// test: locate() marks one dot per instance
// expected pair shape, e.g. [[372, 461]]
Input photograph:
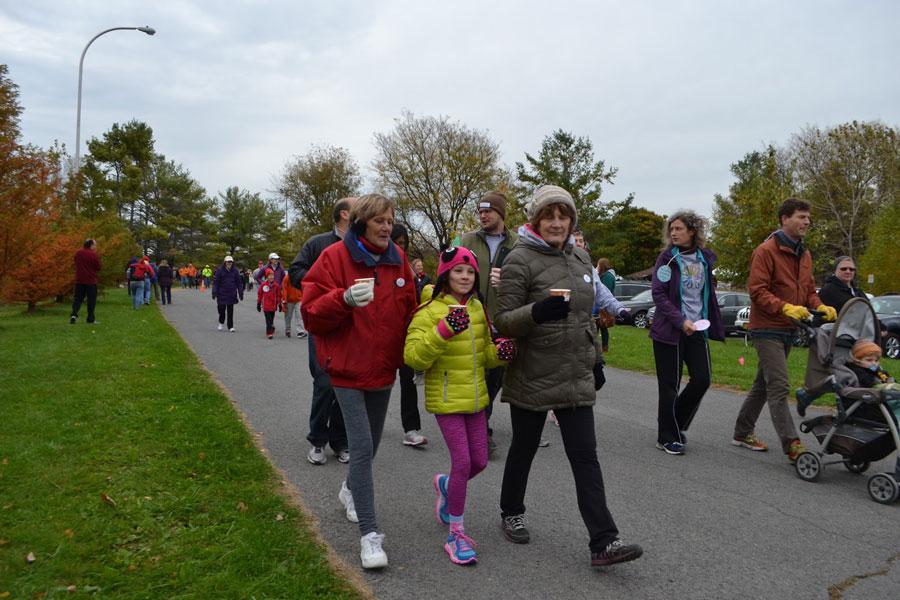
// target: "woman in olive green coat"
[[544, 302]]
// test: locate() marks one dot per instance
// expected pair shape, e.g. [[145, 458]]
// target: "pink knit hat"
[[456, 255]]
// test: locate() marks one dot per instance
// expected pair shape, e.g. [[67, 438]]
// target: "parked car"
[[637, 308], [731, 304], [887, 308], [742, 320], [626, 290]]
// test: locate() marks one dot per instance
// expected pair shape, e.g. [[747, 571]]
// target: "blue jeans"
[[136, 287], [326, 422], [146, 296]]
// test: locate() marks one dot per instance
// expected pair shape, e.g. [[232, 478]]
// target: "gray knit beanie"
[[550, 194]]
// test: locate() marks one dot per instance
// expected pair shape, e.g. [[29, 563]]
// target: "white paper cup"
[[564, 292], [370, 281], [701, 325]]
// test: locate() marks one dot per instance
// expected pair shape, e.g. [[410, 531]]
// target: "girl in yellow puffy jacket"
[[450, 339]]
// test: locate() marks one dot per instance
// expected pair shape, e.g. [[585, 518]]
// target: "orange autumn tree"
[[36, 243]]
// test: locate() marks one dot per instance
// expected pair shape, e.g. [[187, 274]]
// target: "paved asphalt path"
[[720, 522]]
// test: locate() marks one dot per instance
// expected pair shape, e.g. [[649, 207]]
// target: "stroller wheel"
[[857, 468], [809, 467], [883, 488]]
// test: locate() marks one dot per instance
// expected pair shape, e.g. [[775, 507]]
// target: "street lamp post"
[[145, 29]]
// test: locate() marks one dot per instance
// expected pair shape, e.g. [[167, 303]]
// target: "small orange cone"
[[202, 285]]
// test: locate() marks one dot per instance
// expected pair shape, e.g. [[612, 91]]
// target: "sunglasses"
[[847, 269]]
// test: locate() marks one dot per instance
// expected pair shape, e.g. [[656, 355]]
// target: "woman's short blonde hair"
[[370, 206]]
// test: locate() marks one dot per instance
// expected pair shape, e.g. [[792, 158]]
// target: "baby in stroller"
[[863, 429]]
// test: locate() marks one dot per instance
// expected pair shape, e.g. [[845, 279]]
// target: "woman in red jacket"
[[268, 300], [358, 298]]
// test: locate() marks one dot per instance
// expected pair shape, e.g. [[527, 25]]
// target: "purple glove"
[[506, 349], [454, 323]]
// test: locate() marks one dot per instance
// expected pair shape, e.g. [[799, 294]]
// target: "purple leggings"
[[466, 437]]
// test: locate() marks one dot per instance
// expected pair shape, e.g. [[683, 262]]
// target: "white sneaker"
[[343, 456], [414, 438], [316, 455], [220, 327], [346, 498], [371, 553], [231, 330]]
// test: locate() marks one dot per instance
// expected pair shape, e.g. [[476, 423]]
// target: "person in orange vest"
[[291, 298], [192, 274]]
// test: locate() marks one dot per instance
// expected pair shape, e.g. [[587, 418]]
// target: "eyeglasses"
[[847, 269]]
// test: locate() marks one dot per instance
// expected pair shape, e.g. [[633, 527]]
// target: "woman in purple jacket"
[[687, 315], [227, 288]]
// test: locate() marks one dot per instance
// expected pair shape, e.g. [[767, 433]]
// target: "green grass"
[[631, 348], [124, 411]]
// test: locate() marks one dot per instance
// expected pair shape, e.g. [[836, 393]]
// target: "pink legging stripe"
[[466, 437]]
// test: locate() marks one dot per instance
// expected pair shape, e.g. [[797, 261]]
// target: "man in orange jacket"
[[781, 288], [292, 297]]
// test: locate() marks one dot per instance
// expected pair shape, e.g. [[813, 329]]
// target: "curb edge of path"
[[288, 491]]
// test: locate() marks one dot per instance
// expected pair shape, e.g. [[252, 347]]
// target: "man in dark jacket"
[[87, 265], [491, 244], [326, 423]]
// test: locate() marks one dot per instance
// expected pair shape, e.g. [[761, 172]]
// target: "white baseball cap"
[[274, 255], [229, 259]]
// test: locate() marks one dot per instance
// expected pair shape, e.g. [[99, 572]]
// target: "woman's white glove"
[[359, 294]]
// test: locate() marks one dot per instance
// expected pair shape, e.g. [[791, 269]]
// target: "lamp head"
[[147, 29]]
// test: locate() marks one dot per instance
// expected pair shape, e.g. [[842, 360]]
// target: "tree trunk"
[[32, 308]]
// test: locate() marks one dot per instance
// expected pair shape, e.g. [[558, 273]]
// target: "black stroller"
[[857, 441]]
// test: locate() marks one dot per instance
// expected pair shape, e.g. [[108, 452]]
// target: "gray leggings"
[[364, 413]]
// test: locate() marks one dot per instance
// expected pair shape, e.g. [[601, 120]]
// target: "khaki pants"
[[773, 386]]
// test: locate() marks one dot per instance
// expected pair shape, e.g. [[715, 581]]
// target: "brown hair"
[[547, 212], [603, 265], [790, 206], [694, 223]]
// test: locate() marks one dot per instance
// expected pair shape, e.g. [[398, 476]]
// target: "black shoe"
[[287, 334], [514, 529], [616, 552], [803, 401], [72, 319]]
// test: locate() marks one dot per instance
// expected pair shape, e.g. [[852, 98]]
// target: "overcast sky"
[[669, 92]]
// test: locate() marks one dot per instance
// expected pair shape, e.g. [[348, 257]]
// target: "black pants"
[[326, 421], [270, 321], [493, 379], [226, 310], [676, 411], [409, 400], [83, 290], [166, 291], [577, 428], [604, 337]]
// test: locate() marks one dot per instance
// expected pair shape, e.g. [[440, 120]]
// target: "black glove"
[[258, 307], [552, 308], [599, 377], [213, 296]]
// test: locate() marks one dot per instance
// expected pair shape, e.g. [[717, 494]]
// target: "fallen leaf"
[[38, 595], [4, 594], [107, 499], [242, 507], [202, 456], [69, 533], [148, 498], [30, 558], [132, 568], [71, 589], [5, 461], [3, 542], [279, 517]]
